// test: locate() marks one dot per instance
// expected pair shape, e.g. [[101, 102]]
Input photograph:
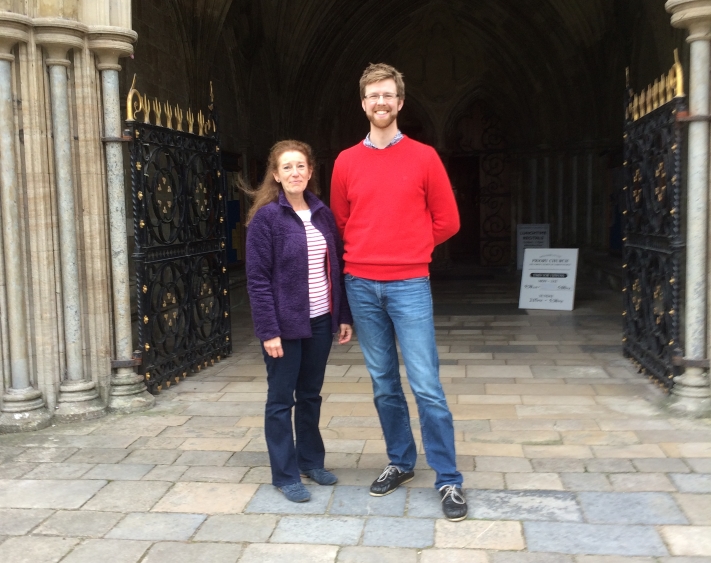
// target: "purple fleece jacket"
[[278, 269]]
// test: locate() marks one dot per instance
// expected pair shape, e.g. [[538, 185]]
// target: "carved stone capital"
[[14, 28], [58, 36], [694, 15], [110, 44]]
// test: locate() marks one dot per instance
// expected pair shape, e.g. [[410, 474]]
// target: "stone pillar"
[[691, 394], [546, 188], [128, 389], [23, 406], [78, 397], [574, 200], [560, 229], [589, 200], [533, 162]]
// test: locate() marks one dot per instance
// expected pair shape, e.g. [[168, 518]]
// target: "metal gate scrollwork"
[[653, 242], [179, 207]]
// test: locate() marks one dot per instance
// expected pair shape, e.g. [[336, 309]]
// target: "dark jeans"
[[295, 380]]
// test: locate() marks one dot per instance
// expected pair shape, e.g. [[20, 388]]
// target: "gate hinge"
[[684, 117], [689, 363], [123, 139], [136, 360]]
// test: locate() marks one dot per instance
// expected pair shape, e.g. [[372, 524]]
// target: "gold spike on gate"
[[663, 90]]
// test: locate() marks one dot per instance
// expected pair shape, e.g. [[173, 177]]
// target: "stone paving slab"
[[115, 551], [157, 527], [173, 552], [79, 524], [47, 494], [480, 534], [399, 532], [29, 549], [268, 500], [127, 496], [356, 501], [206, 498], [630, 508], [692, 483], [19, 521], [688, 540], [453, 556], [338, 530], [595, 539], [268, 553], [552, 506], [237, 528]]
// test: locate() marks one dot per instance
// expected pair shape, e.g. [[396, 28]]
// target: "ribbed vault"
[[553, 69]]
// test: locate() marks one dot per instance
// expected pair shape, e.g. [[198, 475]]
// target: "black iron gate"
[[179, 198], [653, 242]]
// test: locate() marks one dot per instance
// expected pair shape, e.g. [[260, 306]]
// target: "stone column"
[[78, 397], [574, 200], [533, 162], [561, 198], [589, 200], [546, 188], [23, 406], [691, 394], [128, 389]]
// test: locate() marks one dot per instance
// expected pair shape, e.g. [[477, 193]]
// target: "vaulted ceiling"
[[553, 70]]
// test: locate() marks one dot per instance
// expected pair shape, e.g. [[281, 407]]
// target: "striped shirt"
[[319, 302]]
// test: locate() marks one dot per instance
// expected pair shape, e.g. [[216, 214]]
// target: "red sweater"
[[392, 207]]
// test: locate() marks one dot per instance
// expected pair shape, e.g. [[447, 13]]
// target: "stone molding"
[[110, 44], [694, 15], [14, 28], [59, 36]]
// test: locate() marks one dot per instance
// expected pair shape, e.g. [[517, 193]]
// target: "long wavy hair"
[[268, 191]]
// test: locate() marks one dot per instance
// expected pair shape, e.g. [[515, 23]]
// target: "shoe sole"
[[457, 519], [372, 494]]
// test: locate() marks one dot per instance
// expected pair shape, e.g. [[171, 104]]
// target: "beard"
[[382, 122]]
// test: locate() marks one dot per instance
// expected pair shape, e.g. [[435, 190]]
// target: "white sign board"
[[548, 280], [531, 236]]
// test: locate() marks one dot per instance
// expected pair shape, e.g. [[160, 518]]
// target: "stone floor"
[[567, 458]]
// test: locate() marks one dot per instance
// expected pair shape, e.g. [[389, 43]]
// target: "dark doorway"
[[464, 175]]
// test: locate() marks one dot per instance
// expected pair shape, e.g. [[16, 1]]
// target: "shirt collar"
[[396, 139]]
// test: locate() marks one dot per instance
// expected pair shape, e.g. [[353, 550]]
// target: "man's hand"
[[273, 347], [345, 333]]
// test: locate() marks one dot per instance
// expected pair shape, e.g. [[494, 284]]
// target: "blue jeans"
[[295, 381], [403, 308]]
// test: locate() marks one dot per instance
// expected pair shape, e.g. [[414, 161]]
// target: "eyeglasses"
[[387, 96]]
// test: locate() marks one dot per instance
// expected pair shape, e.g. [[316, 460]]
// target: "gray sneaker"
[[321, 476], [296, 492]]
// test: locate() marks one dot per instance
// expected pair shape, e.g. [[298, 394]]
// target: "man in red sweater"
[[393, 204]]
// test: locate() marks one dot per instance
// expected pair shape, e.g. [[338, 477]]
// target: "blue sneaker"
[[321, 476], [296, 492]]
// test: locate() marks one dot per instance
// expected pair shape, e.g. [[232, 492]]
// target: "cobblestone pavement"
[[567, 458]]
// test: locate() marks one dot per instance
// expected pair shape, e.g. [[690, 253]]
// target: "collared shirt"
[[396, 139]]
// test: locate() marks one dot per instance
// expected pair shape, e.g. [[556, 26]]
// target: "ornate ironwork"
[[495, 196], [179, 216], [653, 242]]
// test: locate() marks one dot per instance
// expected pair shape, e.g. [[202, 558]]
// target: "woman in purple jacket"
[[296, 290]]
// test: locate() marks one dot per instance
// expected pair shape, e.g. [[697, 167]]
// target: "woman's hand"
[[345, 333], [273, 347]]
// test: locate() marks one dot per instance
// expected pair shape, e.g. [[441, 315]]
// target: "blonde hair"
[[268, 191], [382, 71]]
